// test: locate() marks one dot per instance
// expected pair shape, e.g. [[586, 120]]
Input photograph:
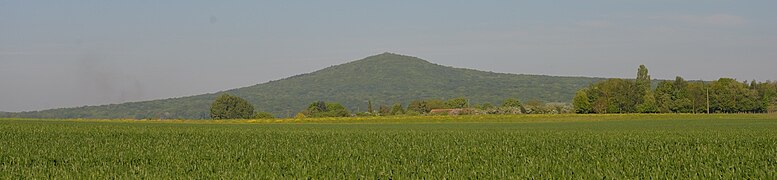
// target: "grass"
[[493, 147]]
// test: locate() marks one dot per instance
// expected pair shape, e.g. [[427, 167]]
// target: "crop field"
[[491, 147]]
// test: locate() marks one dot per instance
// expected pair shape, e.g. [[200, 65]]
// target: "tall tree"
[[231, 107], [643, 80]]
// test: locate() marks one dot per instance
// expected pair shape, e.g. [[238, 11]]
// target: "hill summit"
[[383, 79]]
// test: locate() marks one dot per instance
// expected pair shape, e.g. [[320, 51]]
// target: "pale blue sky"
[[74, 53]]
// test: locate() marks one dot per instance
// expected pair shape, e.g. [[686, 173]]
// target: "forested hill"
[[384, 79]]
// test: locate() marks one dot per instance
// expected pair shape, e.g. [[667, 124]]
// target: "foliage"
[[642, 81], [397, 109], [614, 96], [486, 106], [399, 147], [729, 96], [535, 107], [324, 109], [648, 104], [263, 115], [384, 110], [419, 106], [679, 96], [231, 107], [582, 103], [512, 102], [300, 116], [436, 104], [412, 113], [457, 103]]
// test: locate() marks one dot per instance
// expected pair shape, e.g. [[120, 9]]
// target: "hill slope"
[[385, 79]]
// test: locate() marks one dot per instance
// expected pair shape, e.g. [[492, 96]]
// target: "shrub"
[[231, 107]]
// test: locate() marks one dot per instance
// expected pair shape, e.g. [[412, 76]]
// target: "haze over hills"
[[384, 79]]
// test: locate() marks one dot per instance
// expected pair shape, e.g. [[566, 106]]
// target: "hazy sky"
[[75, 53]]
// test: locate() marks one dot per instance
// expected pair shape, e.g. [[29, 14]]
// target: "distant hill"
[[384, 79]]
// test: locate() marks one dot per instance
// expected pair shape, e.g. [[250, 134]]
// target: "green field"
[[491, 147]]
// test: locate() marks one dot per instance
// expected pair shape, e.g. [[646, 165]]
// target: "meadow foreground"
[[492, 147]]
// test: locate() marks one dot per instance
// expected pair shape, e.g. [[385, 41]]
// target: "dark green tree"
[[397, 109], [643, 80], [627, 96], [324, 109], [615, 96], [767, 94], [231, 107], [649, 104], [336, 110], [384, 110], [681, 102], [730, 96], [680, 88], [512, 103], [420, 107], [599, 99]]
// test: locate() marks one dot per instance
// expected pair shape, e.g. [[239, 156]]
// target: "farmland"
[[492, 147]]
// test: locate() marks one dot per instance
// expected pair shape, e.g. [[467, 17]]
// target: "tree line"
[[724, 95], [232, 107]]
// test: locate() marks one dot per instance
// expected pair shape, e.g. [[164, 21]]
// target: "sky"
[[57, 54]]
